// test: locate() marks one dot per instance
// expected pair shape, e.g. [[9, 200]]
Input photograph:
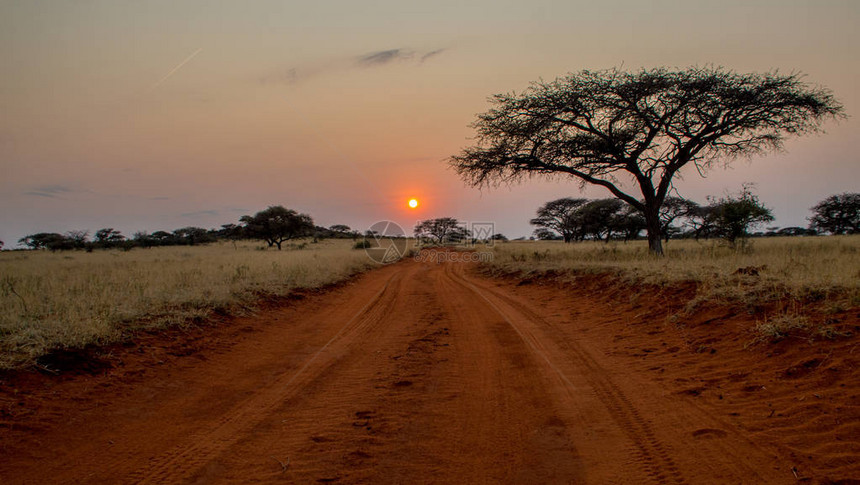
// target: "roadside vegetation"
[[791, 277], [784, 265], [712, 245], [69, 299]]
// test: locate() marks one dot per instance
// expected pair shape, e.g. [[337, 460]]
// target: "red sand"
[[431, 373]]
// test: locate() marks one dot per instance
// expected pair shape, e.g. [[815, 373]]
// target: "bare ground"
[[432, 373]]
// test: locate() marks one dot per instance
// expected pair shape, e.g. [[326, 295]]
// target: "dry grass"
[[781, 326], [71, 299], [768, 268]]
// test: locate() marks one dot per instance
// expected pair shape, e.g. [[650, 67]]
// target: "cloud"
[[431, 54], [49, 191], [200, 213], [296, 74], [379, 58]]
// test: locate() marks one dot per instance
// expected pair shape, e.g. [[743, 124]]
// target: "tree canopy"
[[559, 216], [277, 224], [636, 130], [837, 214], [440, 230], [733, 216], [578, 219]]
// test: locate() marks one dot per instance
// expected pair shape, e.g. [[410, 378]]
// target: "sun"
[[413, 203]]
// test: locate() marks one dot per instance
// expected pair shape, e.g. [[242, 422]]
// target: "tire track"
[[648, 450], [504, 427], [199, 449]]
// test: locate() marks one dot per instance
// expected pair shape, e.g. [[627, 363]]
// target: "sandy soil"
[[432, 373]]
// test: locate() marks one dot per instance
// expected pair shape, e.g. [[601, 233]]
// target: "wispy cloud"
[[200, 213], [296, 74], [432, 54], [50, 191], [379, 58]]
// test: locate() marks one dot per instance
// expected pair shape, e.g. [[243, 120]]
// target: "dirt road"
[[414, 373]]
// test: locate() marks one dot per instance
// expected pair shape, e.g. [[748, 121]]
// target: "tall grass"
[[766, 267], [71, 299]]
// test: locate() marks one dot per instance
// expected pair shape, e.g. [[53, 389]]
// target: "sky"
[[156, 115]]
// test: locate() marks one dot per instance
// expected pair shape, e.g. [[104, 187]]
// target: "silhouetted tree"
[[340, 228], [232, 232], [162, 238], [192, 236], [644, 126], [46, 240], [600, 218], [440, 230], [277, 224], [837, 214], [108, 237], [143, 239], [733, 216], [629, 223], [701, 220], [559, 216], [545, 234], [78, 239], [673, 209], [796, 231]]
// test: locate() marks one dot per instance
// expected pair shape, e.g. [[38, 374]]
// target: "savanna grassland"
[[791, 272], [68, 299], [786, 265]]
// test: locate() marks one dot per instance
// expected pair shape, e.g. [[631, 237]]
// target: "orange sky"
[[162, 114]]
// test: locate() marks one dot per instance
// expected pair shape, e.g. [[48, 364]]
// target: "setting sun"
[[413, 203]]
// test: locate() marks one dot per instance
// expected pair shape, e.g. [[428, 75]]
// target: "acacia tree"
[[340, 228], [601, 218], [277, 224], [78, 238], [46, 240], [674, 208], [837, 214], [108, 237], [733, 216], [440, 230], [612, 127], [559, 216], [629, 223]]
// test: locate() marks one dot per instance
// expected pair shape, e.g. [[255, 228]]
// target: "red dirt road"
[[430, 373]]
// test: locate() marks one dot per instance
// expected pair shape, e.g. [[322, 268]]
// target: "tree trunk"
[[654, 228]]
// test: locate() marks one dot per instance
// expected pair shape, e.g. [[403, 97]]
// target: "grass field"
[[73, 298], [779, 267]]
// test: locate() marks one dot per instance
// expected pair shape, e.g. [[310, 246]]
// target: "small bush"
[[830, 333], [363, 244], [781, 326]]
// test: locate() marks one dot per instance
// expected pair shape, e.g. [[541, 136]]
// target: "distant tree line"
[[273, 225], [730, 218]]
